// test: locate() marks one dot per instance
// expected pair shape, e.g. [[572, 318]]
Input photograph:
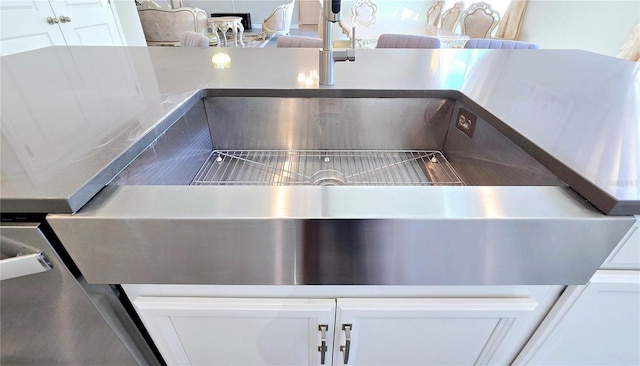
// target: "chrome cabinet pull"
[[323, 346], [52, 20], [347, 346], [64, 19]]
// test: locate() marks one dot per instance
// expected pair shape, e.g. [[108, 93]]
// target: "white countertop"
[[73, 117]]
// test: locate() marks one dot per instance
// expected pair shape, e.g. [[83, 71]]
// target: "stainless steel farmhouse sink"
[[338, 187], [285, 141]]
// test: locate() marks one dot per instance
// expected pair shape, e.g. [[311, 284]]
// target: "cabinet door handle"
[[347, 345], [52, 20], [64, 19], [323, 345]]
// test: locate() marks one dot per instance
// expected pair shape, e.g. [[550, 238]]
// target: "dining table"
[[366, 36]]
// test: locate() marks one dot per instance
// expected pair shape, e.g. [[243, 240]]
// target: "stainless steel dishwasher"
[[49, 316], [339, 187]]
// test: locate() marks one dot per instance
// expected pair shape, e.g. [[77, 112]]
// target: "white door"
[[309, 12], [29, 25], [596, 324], [87, 22], [439, 331], [25, 27], [223, 331]]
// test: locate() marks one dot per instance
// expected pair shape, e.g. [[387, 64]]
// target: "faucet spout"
[[328, 57]]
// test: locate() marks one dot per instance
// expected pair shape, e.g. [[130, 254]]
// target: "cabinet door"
[[626, 255], [212, 331], [24, 26], [87, 22], [596, 324], [309, 12], [442, 331]]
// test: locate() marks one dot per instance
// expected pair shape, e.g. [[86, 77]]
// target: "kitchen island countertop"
[[73, 117]]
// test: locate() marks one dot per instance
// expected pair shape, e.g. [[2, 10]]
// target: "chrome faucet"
[[328, 57]]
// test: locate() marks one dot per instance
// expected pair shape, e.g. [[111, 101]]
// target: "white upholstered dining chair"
[[451, 17], [279, 21], [500, 44], [630, 50], [163, 25], [193, 39], [390, 40], [298, 42], [363, 13], [479, 20], [434, 13]]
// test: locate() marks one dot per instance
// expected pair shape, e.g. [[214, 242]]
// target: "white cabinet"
[[595, 324], [626, 255], [211, 331], [28, 25], [439, 331], [359, 331]]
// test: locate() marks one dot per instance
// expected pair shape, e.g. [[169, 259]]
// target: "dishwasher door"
[[47, 317]]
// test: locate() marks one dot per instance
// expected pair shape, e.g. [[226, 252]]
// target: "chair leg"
[[241, 29]]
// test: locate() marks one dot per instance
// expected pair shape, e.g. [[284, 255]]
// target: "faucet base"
[[327, 65]]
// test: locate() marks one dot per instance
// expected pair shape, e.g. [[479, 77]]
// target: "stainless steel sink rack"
[[326, 167]]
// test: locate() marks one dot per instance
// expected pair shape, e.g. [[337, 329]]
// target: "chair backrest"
[[434, 12], [149, 4], [499, 44], [193, 39], [279, 21], [451, 16], [389, 40], [363, 13], [479, 20], [298, 42], [630, 50], [164, 25]]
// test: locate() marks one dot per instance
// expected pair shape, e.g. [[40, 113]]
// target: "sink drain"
[[328, 177]]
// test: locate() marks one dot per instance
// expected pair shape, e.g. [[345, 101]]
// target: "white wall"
[[600, 26]]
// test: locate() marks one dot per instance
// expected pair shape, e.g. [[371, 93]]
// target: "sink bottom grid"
[[326, 167]]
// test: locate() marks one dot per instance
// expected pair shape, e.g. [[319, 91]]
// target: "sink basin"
[[338, 188], [390, 141]]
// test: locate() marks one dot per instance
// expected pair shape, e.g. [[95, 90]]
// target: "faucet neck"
[[328, 56], [327, 36]]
